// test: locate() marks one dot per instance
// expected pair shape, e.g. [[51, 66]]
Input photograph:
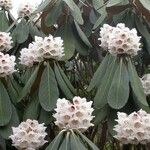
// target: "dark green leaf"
[[100, 99], [62, 83], [136, 84], [5, 106], [48, 90], [29, 84], [66, 143], [119, 90], [6, 131], [4, 23], [76, 13], [2, 144]]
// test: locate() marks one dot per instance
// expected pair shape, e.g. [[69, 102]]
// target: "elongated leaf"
[[76, 143], [54, 13], [100, 99], [48, 90], [2, 144], [21, 32], [99, 74], [146, 4], [136, 84], [33, 109], [76, 13], [6, 131], [67, 81], [29, 84], [54, 145], [62, 83], [5, 106], [82, 35], [97, 4], [114, 2], [90, 143], [4, 23], [66, 143], [119, 90]]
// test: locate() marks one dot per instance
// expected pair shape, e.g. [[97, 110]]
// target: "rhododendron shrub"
[[74, 75]]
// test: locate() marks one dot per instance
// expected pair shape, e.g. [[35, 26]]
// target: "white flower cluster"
[[133, 128], [74, 116], [41, 49], [7, 64], [120, 39], [5, 41], [6, 4], [25, 9], [146, 83], [29, 135]]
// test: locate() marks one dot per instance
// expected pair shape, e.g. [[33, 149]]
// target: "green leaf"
[[53, 14], [54, 145], [29, 84], [66, 143], [48, 90], [146, 4], [6, 131], [68, 83], [119, 90], [42, 6], [67, 35], [62, 83], [75, 11], [2, 143], [4, 23], [21, 32], [33, 108], [90, 143], [100, 99], [76, 143], [97, 4], [99, 74], [82, 35], [5, 106], [136, 84], [116, 2]]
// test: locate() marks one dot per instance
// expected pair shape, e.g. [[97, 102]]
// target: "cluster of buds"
[[6, 4], [120, 40], [133, 128], [5, 41], [29, 135], [42, 48], [76, 115], [7, 64], [146, 83]]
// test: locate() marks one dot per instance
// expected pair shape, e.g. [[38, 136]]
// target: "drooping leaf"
[[90, 143], [21, 32], [2, 144], [146, 4], [136, 84], [54, 145], [33, 109], [75, 11], [54, 13], [4, 23], [100, 99], [97, 4], [6, 131], [29, 84], [66, 145], [117, 2], [63, 86], [119, 90], [97, 78], [65, 78], [48, 90], [82, 35], [5, 106]]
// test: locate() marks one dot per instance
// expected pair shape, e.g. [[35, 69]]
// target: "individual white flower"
[[146, 83], [29, 135], [105, 32], [25, 9], [120, 40], [76, 115], [133, 128], [5, 41], [6, 4], [42, 48], [7, 64]]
